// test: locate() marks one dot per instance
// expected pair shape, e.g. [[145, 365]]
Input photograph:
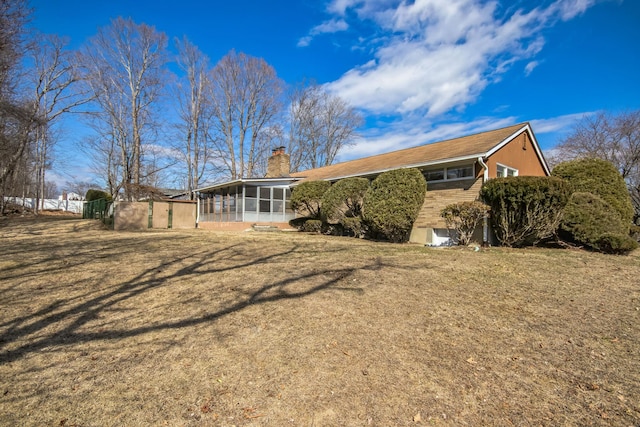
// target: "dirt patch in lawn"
[[199, 328]]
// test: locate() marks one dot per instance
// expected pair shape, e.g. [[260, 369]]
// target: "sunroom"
[[245, 202]]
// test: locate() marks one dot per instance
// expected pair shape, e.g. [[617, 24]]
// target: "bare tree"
[[246, 96], [194, 111], [320, 125], [54, 80], [13, 16], [17, 120], [124, 68], [80, 187], [615, 138]]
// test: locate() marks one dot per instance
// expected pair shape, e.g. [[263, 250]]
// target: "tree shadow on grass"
[[69, 317]]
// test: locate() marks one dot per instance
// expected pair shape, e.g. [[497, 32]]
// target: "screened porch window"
[[248, 203]]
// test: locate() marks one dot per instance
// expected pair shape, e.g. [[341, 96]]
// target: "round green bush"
[[306, 197], [392, 203], [344, 200], [602, 179], [525, 209], [587, 217]]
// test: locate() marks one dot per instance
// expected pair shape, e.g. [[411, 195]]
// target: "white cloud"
[[528, 69], [327, 27], [332, 26], [569, 9], [436, 56], [562, 123], [339, 7], [412, 133], [304, 41]]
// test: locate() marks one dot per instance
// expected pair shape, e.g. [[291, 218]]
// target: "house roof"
[[452, 150], [249, 181]]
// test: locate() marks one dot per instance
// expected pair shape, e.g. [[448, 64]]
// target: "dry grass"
[[199, 328]]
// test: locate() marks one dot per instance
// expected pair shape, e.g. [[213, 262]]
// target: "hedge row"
[[385, 208], [585, 202]]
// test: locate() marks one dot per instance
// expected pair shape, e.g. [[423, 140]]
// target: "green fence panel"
[[98, 209]]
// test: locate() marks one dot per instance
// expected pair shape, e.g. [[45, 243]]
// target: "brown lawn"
[[199, 328]]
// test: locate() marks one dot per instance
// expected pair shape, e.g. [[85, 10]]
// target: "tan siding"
[[439, 195]]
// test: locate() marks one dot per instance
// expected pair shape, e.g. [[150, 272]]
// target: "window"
[[450, 173], [503, 171], [250, 205], [250, 191], [434, 175], [461, 172]]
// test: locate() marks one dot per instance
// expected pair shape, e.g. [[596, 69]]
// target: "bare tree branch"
[[246, 95], [615, 138], [123, 65]]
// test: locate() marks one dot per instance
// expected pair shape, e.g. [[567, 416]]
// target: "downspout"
[[485, 220]]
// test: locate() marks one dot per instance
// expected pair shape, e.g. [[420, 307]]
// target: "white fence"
[[74, 206]]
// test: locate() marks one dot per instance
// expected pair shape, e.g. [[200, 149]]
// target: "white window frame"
[[504, 171]]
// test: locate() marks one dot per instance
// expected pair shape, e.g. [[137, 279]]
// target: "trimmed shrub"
[[312, 226], [587, 218], [463, 219], [602, 179], [392, 203], [525, 209], [617, 244], [344, 199], [354, 226], [306, 198], [97, 195]]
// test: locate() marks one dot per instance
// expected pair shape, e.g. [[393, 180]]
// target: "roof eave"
[[414, 165], [246, 180]]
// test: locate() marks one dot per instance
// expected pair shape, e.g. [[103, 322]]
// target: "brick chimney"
[[278, 164]]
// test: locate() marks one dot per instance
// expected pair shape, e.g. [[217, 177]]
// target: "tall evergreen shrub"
[[392, 203], [525, 209], [601, 178], [591, 221], [342, 204], [306, 198]]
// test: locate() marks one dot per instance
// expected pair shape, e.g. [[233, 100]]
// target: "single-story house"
[[454, 169]]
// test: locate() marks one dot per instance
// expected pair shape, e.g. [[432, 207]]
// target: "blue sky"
[[419, 71]]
